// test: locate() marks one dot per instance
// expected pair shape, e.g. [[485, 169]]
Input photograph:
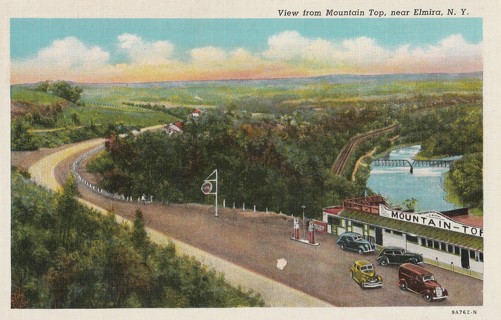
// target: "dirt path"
[[360, 161], [54, 129]]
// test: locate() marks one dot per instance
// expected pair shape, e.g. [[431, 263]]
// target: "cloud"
[[287, 54], [365, 55], [208, 55], [451, 54], [143, 52], [71, 53], [59, 60], [286, 45]]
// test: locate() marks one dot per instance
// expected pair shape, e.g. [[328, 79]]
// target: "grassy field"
[[76, 122], [104, 115], [26, 95]]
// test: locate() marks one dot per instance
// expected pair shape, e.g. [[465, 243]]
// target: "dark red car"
[[421, 281]]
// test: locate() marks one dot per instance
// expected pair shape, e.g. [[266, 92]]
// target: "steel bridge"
[[414, 163]]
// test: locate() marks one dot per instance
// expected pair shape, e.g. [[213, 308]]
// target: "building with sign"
[[451, 239]]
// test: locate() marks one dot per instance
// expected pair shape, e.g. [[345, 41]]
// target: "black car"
[[397, 255], [353, 241]]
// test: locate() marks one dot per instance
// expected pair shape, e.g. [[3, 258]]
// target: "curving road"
[[274, 293], [246, 245]]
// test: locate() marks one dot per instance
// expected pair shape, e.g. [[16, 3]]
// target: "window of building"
[[423, 242], [472, 254], [334, 221], [457, 250], [430, 243], [436, 244], [450, 248], [397, 233], [387, 230], [443, 246], [358, 225], [481, 256], [412, 239]]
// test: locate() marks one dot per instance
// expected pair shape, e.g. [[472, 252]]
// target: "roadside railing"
[[146, 199], [454, 268]]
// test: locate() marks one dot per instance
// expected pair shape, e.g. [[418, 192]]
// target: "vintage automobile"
[[397, 255], [364, 274], [421, 281], [353, 241]]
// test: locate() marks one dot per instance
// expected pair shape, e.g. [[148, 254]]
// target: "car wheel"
[[427, 297], [403, 285], [341, 246], [413, 261], [384, 262], [362, 284], [360, 251]]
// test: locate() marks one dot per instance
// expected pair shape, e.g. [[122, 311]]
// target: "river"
[[397, 184]]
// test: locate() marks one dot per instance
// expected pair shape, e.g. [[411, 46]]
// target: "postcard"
[[225, 159]]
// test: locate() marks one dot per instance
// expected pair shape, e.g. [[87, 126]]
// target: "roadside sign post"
[[207, 187]]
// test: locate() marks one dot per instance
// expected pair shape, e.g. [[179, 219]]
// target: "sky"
[[150, 50]]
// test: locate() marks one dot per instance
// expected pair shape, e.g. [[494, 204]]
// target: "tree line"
[[61, 89], [278, 163]]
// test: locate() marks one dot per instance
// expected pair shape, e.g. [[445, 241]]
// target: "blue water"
[[397, 184]]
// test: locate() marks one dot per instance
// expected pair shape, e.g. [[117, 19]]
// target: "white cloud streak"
[[287, 54], [144, 52]]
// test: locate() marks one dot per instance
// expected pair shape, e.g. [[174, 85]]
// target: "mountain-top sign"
[[431, 219]]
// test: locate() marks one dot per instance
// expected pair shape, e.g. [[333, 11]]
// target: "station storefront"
[[451, 240]]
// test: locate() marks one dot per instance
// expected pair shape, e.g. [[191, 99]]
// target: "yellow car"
[[364, 274]]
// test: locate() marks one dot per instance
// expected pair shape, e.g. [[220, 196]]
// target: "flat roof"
[[415, 268], [452, 237]]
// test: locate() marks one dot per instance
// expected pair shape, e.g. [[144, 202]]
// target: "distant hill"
[[285, 82]]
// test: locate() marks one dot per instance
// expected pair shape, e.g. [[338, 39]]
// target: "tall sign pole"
[[207, 186]]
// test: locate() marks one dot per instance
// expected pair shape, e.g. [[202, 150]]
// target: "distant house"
[[196, 113], [174, 128]]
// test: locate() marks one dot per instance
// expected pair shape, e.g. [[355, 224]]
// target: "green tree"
[[410, 204], [125, 274], [465, 176], [139, 237], [65, 90], [67, 212], [21, 139], [43, 86], [75, 118]]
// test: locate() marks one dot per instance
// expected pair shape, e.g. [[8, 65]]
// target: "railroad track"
[[344, 155]]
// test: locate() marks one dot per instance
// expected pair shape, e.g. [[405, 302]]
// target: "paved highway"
[[274, 293]]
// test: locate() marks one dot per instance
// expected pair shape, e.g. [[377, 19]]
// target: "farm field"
[[270, 95]]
